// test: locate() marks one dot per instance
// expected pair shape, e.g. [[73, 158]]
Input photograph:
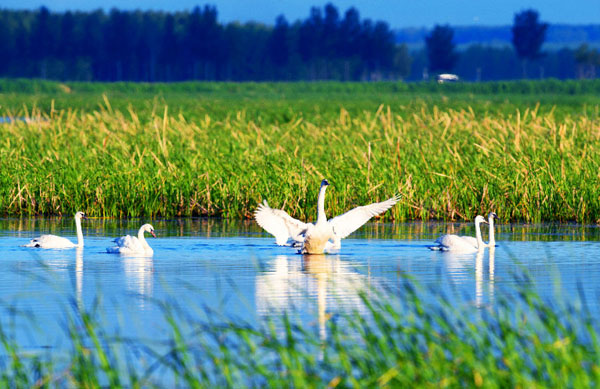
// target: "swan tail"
[[436, 248]]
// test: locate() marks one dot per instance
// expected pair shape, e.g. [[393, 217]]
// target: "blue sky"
[[398, 13]]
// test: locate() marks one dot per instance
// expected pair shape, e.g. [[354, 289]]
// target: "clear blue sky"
[[398, 13]]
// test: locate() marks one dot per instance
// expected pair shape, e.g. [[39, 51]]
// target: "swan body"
[[462, 244], [49, 241], [324, 235], [133, 245]]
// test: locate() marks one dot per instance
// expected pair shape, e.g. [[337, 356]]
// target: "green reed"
[[219, 149], [404, 337]]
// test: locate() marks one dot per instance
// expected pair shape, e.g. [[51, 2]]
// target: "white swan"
[[461, 243], [492, 240], [58, 242], [324, 234], [131, 245]]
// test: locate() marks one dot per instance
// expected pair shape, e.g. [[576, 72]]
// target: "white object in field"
[[446, 77]]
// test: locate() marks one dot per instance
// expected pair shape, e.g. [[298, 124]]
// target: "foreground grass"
[[403, 339], [450, 153]]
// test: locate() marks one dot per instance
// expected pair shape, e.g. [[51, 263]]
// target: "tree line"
[[327, 45], [159, 46], [479, 62]]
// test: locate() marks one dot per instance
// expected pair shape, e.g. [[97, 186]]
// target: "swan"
[[57, 242], [492, 240], [323, 235], [461, 243], [131, 245]]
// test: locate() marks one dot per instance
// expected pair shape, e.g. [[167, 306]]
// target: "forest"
[[329, 44]]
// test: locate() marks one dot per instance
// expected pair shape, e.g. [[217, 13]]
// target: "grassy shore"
[[527, 150]]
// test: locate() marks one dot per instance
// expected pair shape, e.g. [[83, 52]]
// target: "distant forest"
[[192, 45]]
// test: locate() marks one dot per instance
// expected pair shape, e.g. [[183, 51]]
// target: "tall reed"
[[449, 160]]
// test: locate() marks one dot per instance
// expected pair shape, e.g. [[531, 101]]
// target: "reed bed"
[[402, 339], [450, 158]]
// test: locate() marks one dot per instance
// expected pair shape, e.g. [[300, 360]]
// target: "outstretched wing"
[[347, 223], [278, 223]]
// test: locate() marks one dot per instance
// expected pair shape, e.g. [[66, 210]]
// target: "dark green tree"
[[279, 47], [440, 49], [528, 35]]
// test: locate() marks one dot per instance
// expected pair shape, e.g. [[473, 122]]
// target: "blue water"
[[214, 270]]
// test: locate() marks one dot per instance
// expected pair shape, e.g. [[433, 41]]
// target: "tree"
[[528, 36], [440, 49], [278, 47], [402, 61], [587, 61], [42, 39]]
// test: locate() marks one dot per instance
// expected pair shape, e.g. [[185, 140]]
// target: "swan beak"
[[152, 232], [84, 216]]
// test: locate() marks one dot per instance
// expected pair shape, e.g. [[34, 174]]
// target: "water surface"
[[213, 269]]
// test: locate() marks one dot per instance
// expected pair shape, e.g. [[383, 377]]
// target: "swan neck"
[[321, 217], [141, 235], [492, 242], [480, 243], [79, 232]]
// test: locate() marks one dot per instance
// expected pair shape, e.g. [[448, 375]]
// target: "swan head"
[[493, 216], [480, 219], [148, 228], [80, 215], [324, 183]]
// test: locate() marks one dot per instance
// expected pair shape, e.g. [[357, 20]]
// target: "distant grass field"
[[528, 150]]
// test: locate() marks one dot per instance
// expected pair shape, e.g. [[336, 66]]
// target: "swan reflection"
[[139, 275], [458, 267], [79, 277], [295, 280]]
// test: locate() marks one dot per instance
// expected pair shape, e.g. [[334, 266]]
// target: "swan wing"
[[452, 242], [345, 224], [127, 243], [278, 223], [50, 242]]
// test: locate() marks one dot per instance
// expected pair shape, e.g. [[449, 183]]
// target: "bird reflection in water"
[[294, 279], [139, 276], [79, 277], [458, 266]]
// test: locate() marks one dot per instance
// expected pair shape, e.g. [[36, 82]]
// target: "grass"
[[210, 149], [401, 339]]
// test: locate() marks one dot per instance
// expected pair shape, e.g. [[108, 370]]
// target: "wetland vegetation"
[[526, 149]]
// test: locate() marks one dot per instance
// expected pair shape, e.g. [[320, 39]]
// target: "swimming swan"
[[461, 243], [492, 240], [131, 245], [324, 234], [58, 242]]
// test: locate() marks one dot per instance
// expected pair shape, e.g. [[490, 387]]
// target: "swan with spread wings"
[[324, 235]]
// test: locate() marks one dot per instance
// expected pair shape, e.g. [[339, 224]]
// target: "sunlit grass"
[[450, 159]]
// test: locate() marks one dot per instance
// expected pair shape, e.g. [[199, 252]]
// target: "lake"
[[216, 270]]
